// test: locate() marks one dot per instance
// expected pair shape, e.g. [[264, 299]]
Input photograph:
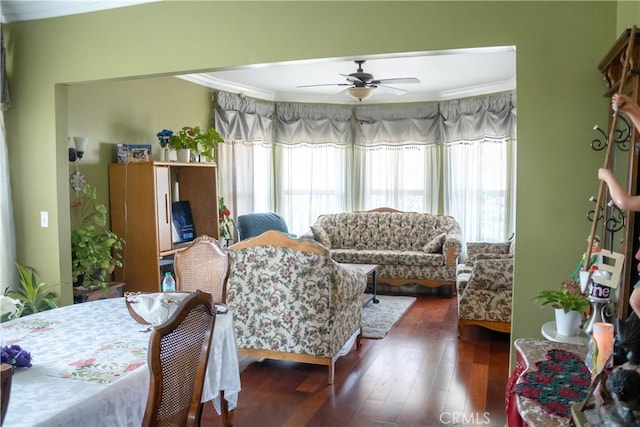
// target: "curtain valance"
[[312, 124], [482, 117], [397, 125], [489, 117], [243, 118]]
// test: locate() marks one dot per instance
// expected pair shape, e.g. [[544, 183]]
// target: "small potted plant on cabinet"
[[93, 246], [569, 303], [196, 141]]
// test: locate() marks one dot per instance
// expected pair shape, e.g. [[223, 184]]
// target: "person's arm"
[[620, 196], [626, 105], [634, 300]]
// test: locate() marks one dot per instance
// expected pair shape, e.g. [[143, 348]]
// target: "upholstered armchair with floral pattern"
[[291, 301], [485, 287]]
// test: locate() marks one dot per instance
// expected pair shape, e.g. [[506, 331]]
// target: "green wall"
[[130, 112], [559, 91]]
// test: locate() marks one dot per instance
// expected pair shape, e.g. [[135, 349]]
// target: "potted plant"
[[31, 297], [569, 303], [93, 246], [226, 221], [195, 140]]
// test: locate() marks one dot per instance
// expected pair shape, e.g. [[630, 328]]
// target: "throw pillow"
[[321, 236], [435, 244]]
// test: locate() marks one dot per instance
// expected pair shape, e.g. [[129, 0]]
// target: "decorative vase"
[[164, 154], [567, 324], [184, 155]]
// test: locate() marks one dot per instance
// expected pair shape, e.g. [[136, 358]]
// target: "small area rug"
[[379, 318]]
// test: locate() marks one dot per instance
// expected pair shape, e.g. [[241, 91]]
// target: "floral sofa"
[[485, 286], [291, 301], [408, 247]]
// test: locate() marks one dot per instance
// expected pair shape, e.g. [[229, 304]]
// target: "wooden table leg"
[[227, 417]]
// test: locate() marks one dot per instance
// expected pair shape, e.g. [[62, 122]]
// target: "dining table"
[[89, 366]]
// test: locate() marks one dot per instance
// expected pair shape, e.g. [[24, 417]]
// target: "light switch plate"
[[44, 219]]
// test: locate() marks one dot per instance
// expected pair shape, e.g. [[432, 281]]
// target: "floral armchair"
[[291, 301], [485, 287]]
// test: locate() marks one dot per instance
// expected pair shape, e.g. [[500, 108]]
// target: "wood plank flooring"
[[419, 375]]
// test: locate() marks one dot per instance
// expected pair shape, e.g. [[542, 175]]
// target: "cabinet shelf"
[[141, 196]]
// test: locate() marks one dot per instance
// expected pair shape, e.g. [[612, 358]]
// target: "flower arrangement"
[[164, 136], [15, 356], [568, 297], [226, 222]]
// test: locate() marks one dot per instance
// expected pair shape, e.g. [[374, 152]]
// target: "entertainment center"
[[142, 196]]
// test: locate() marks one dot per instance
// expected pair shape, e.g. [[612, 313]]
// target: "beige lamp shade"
[[360, 93]]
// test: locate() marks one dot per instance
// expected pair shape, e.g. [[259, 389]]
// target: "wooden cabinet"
[[141, 196]]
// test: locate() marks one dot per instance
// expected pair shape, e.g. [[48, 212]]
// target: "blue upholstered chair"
[[254, 224]]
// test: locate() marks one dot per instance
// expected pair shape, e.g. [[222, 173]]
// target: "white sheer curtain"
[[455, 158], [245, 160], [8, 273], [8, 243], [313, 151], [479, 160], [397, 161]]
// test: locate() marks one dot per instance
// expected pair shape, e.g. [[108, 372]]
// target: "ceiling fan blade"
[[352, 79], [396, 80], [326, 84], [391, 89]]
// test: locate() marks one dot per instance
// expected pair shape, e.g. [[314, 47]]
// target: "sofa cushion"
[[493, 256], [321, 236], [435, 244], [492, 274], [415, 258], [476, 248]]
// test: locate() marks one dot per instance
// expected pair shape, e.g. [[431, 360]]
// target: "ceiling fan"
[[362, 84]]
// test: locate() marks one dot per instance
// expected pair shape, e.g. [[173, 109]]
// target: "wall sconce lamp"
[[76, 153], [359, 92]]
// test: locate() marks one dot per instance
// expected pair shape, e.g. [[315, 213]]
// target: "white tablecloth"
[[89, 366]]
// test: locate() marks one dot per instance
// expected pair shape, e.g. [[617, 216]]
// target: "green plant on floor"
[[94, 248], [33, 296]]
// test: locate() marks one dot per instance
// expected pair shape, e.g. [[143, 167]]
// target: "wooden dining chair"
[[6, 375], [202, 265], [178, 356]]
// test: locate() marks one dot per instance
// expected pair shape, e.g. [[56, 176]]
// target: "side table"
[[550, 332], [368, 270], [81, 294]]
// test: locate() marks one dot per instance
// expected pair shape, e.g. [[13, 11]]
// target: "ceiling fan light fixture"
[[360, 93]]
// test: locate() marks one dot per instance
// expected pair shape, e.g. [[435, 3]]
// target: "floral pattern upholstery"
[[400, 243], [293, 301], [486, 250], [485, 293]]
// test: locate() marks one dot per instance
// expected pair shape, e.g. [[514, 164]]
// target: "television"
[[182, 227]]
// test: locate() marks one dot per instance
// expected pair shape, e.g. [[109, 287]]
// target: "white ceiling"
[[443, 75]]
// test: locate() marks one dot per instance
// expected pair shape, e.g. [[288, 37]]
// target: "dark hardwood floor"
[[420, 374]]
